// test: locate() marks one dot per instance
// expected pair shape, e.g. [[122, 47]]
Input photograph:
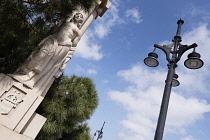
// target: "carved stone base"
[[8, 134], [17, 110], [29, 132]]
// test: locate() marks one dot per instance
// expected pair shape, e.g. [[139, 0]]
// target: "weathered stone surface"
[[33, 126], [8, 134], [22, 92]]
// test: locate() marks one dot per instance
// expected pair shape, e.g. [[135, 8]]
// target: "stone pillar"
[[18, 102], [99, 11]]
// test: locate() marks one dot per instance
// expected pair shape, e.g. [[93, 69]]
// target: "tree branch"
[[32, 2], [19, 12]]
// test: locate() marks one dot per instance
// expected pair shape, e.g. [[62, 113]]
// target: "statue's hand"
[[62, 67]]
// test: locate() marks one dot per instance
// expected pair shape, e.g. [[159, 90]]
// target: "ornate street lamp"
[[100, 133], [193, 61], [151, 60], [173, 53]]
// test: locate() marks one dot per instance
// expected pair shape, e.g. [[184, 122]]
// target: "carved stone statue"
[[52, 54], [23, 91]]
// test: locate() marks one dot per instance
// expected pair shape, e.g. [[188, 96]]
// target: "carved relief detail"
[[10, 100]]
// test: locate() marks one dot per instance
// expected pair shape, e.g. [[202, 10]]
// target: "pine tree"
[[70, 102]]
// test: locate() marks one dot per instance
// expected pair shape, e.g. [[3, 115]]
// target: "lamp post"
[[100, 133], [173, 53]]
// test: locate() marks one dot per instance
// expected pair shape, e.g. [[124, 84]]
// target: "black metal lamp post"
[[173, 53], [100, 133]]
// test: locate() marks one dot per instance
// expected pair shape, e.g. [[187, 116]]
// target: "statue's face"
[[78, 17]]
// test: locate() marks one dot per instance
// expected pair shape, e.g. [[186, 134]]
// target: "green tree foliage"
[[18, 36], [24, 23], [69, 103]]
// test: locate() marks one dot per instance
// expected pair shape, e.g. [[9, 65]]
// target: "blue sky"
[[112, 51]]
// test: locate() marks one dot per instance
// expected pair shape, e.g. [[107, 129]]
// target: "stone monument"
[[23, 91]]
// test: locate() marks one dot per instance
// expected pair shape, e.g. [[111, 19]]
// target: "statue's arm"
[[72, 49], [68, 57], [77, 38], [75, 41]]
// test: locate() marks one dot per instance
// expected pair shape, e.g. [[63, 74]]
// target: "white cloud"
[[87, 48], [101, 31], [183, 111], [188, 138], [91, 71], [200, 78], [142, 103], [201, 36], [134, 14], [105, 81], [142, 98], [111, 18], [194, 11], [79, 69]]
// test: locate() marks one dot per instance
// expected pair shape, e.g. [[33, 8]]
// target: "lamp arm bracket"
[[182, 49], [166, 49]]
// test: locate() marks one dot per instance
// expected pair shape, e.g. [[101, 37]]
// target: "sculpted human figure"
[[52, 54]]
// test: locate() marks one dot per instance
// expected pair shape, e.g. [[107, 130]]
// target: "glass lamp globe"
[[193, 61], [175, 82], [151, 60]]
